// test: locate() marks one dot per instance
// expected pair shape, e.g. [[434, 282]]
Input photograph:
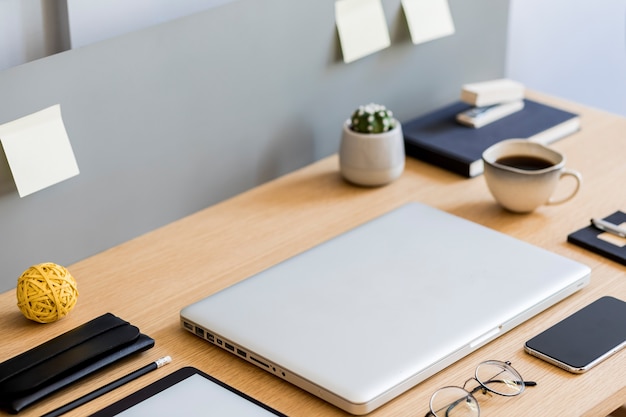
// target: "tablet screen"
[[190, 393]]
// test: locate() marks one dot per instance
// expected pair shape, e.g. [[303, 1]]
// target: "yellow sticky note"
[[38, 150], [428, 19], [362, 28]]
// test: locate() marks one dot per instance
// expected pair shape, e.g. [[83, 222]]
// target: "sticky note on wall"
[[362, 28], [428, 19], [38, 150]]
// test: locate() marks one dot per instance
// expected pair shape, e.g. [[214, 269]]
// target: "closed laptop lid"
[[361, 318]]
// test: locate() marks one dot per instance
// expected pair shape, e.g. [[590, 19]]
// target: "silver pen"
[[609, 227]]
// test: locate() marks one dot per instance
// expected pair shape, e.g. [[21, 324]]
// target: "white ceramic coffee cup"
[[523, 190]]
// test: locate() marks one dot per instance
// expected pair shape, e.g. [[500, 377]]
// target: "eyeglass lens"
[[453, 402], [500, 378]]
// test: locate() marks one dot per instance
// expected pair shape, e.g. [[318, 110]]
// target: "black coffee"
[[529, 163]]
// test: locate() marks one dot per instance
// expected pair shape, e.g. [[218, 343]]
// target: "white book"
[[491, 92]]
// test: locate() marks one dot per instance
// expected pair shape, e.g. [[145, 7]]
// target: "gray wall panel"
[[171, 119]]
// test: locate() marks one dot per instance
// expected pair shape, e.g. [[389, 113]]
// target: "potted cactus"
[[372, 147]]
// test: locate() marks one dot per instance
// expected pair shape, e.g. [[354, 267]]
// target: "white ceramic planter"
[[371, 159]]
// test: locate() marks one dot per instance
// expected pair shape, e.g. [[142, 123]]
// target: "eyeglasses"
[[492, 376]]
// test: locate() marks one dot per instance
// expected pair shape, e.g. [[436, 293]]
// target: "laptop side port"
[[259, 362]]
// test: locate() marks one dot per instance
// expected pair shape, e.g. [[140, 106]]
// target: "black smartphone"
[[584, 339]]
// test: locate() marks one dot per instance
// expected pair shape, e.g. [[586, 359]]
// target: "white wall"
[[96, 20], [29, 30], [572, 49], [33, 29]]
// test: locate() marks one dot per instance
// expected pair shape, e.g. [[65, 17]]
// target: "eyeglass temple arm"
[[526, 383]]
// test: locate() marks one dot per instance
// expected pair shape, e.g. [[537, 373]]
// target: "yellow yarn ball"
[[46, 292]]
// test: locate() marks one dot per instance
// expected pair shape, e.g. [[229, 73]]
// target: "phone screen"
[[585, 338]]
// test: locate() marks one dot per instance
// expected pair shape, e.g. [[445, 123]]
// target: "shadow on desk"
[[620, 412], [327, 184]]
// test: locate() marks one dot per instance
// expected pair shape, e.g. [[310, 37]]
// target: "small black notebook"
[[588, 238], [63, 360]]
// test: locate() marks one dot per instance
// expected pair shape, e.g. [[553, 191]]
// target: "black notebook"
[[595, 240], [38, 372], [439, 139]]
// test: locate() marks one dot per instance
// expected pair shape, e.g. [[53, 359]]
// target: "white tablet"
[[188, 392]]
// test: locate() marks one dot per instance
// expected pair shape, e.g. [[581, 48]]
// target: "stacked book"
[[442, 139]]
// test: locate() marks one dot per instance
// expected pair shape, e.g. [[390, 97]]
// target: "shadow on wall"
[[7, 185], [292, 148]]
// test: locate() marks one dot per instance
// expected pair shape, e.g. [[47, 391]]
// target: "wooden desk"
[[149, 279]]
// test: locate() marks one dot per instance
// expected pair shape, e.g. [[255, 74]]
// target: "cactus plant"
[[372, 118], [371, 152]]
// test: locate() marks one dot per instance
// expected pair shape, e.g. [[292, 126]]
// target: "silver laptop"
[[367, 315]]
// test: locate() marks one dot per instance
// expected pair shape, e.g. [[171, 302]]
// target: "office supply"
[[55, 364], [609, 227], [478, 117], [46, 292], [188, 392], [362, 28], [604, 243], [38, 150], [585, 338], [349, 320], [428, 19], [109, 387], [492, 92], [439, 139]]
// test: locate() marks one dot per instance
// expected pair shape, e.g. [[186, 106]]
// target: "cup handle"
[[578, 179]]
